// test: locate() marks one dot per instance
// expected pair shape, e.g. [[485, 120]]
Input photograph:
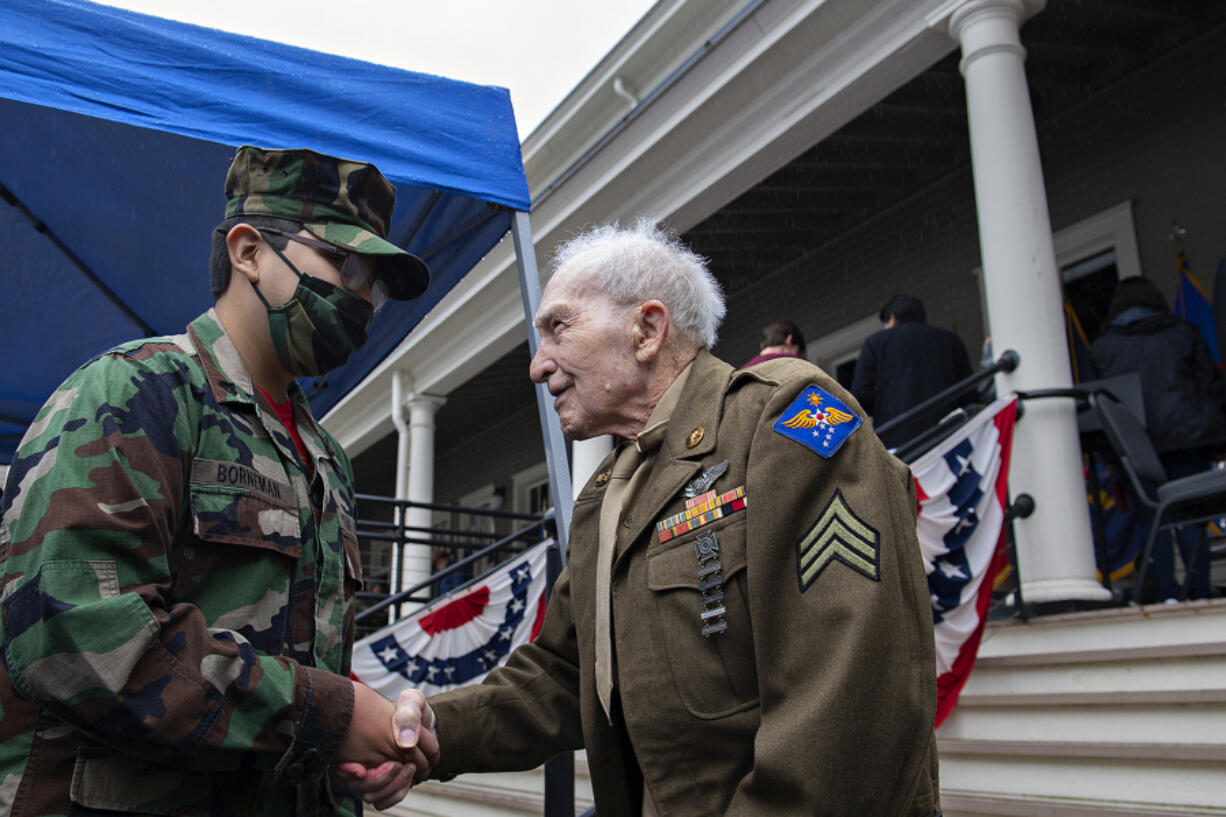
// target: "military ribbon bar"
[[702, 510]]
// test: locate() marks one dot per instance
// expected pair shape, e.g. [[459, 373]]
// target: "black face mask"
[[319, 327]]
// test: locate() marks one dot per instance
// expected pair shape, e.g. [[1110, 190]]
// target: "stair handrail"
[[408, 593], [1007, 362]]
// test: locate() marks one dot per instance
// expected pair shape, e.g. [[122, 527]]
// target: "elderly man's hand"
[[385, 750], [413, 725]]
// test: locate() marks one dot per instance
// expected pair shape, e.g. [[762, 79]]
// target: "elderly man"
[[743, 627], [178, 554]]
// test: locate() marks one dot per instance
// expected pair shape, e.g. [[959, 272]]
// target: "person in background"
[[441, 560], [1185, 410], [903, 365], [743, 626], [779, 339], [178, 554]]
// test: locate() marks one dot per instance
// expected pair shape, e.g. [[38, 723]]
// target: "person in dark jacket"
[[904, 364], [1185, 406]]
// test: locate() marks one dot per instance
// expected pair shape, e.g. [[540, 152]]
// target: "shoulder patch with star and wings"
[[817, 420]]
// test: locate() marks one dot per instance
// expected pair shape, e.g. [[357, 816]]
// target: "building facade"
[[996, 158]]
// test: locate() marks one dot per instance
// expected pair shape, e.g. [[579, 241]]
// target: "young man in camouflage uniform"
[[178, 550]]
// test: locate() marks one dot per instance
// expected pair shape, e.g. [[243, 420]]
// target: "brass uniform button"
[[695, 438]]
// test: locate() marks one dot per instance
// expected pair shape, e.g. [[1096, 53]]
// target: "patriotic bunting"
[[459, 638], [962, 486]]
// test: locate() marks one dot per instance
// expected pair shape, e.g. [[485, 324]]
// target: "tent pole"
[[559, 772], [551, 429]]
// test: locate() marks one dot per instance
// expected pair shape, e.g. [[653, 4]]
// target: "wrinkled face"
[[586, 357]]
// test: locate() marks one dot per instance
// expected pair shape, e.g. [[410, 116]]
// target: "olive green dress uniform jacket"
[[816, 700], [177, 594]]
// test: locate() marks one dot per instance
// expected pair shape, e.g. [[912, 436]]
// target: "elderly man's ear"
[[650, 330]]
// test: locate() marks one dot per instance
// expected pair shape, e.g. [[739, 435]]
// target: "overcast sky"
[[539, 49]]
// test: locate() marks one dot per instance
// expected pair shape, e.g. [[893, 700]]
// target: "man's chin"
[[574, 430]]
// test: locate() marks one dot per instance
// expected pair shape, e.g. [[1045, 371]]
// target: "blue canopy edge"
[[118, 131]]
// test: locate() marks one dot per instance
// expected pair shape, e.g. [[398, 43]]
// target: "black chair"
[[1094, 443], [1174, 502]]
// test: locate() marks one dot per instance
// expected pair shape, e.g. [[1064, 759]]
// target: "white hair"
[[630, 265]]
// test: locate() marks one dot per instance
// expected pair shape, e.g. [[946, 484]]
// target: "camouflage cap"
[[340, 201]]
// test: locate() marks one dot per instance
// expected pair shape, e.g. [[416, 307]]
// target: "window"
[[836, 352], [538, 497], [530, 489], [1092, 255]]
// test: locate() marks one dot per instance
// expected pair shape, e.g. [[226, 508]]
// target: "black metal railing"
[[559, 772], [401, 535], [945, 399], [531, 534]]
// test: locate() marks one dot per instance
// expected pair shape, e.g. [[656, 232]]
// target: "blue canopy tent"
[[117, 132]]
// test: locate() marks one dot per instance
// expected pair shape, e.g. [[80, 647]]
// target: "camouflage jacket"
[[176, 593]]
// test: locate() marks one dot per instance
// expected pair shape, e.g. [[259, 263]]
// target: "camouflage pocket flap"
[[237, 505], [104, 780]]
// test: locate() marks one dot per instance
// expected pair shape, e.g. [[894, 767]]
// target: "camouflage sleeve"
[[95, 496]]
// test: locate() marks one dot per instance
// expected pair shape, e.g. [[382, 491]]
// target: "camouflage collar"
[[223, 366]]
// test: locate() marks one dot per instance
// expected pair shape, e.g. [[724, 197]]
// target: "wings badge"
[[818, 420]]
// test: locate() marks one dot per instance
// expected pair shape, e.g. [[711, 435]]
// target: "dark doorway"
[[844, 372], [1089, 284]]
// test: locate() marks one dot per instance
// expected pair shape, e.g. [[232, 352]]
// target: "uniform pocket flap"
[[107, 781], [675, 565], [238, 505]]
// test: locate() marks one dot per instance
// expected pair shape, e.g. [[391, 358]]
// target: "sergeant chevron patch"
[[837, 535]]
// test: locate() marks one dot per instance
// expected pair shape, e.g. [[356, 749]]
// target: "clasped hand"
[[389, 747]]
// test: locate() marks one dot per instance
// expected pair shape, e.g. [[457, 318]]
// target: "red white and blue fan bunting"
[[459, 638], [962, 487]]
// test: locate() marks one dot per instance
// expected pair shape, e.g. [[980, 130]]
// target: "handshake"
[[381, 764]]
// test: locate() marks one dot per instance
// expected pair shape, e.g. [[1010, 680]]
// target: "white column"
[[1023, 291], [585, 456], [415, 567]]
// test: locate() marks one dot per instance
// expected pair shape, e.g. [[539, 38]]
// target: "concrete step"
[[500, 794], [1110, 712]]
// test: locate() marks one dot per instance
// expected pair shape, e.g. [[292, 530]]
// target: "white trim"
[[1112, 228], [524, 481], [844, 344], [480, 498]]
